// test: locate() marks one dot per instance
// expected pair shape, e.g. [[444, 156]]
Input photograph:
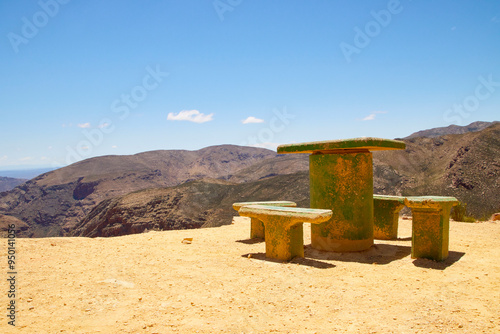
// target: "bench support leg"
[[386, 219], [256, 229], [284, 241], [430, 232]]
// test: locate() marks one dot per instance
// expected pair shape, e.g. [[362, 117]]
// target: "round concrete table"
[[341, 179]]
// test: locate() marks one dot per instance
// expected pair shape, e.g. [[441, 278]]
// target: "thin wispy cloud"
[[103, 125], [190, 116], [251, 119], [84, 125], [3, 158], [372, 116], [26, 159]]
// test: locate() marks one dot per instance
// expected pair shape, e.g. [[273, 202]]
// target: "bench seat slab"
[[256, 226], [283, 228]]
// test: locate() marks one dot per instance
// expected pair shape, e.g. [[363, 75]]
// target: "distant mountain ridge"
[[25, 172], [54, 202], [8, 183], [451, 130]]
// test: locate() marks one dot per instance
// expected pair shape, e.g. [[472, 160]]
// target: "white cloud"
[[252, 119], [190, 116], [84, 125], [103, 125], [26, 159], [369, 117], [3, 158], [372, 116], [114, 146]]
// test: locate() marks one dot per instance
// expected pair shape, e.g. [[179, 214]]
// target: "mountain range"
[[178, 189], [8, 183], [54, 202], [451, 130]]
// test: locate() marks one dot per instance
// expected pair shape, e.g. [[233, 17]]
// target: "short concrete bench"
[[256, 226], [431, 226], [283, 227], [386, 216]]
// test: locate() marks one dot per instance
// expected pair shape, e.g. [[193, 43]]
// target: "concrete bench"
[[283, 227], [256, 226], [386, 216], [430, 226]]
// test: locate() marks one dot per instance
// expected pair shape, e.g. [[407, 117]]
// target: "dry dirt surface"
[[222, 283]]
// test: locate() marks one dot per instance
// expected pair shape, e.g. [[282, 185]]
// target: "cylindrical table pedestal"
[[342, 182]]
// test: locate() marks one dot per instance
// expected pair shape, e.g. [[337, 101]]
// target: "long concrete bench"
[[284, 234], [430, 226], [386, 216], [256, 226]]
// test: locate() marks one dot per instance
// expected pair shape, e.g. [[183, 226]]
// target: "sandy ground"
[[153, 283]]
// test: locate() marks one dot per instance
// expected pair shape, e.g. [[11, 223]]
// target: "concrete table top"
[[337, 146]]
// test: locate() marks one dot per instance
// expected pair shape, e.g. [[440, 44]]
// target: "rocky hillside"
[[8, 183], [202, 203], [53, 203], [466, 166], [451, 130], [20, 226], [105, 196]]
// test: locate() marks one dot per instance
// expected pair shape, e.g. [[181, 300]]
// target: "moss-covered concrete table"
[[341, 179]]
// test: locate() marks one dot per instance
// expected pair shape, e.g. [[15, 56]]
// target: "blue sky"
[[88, 78]]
